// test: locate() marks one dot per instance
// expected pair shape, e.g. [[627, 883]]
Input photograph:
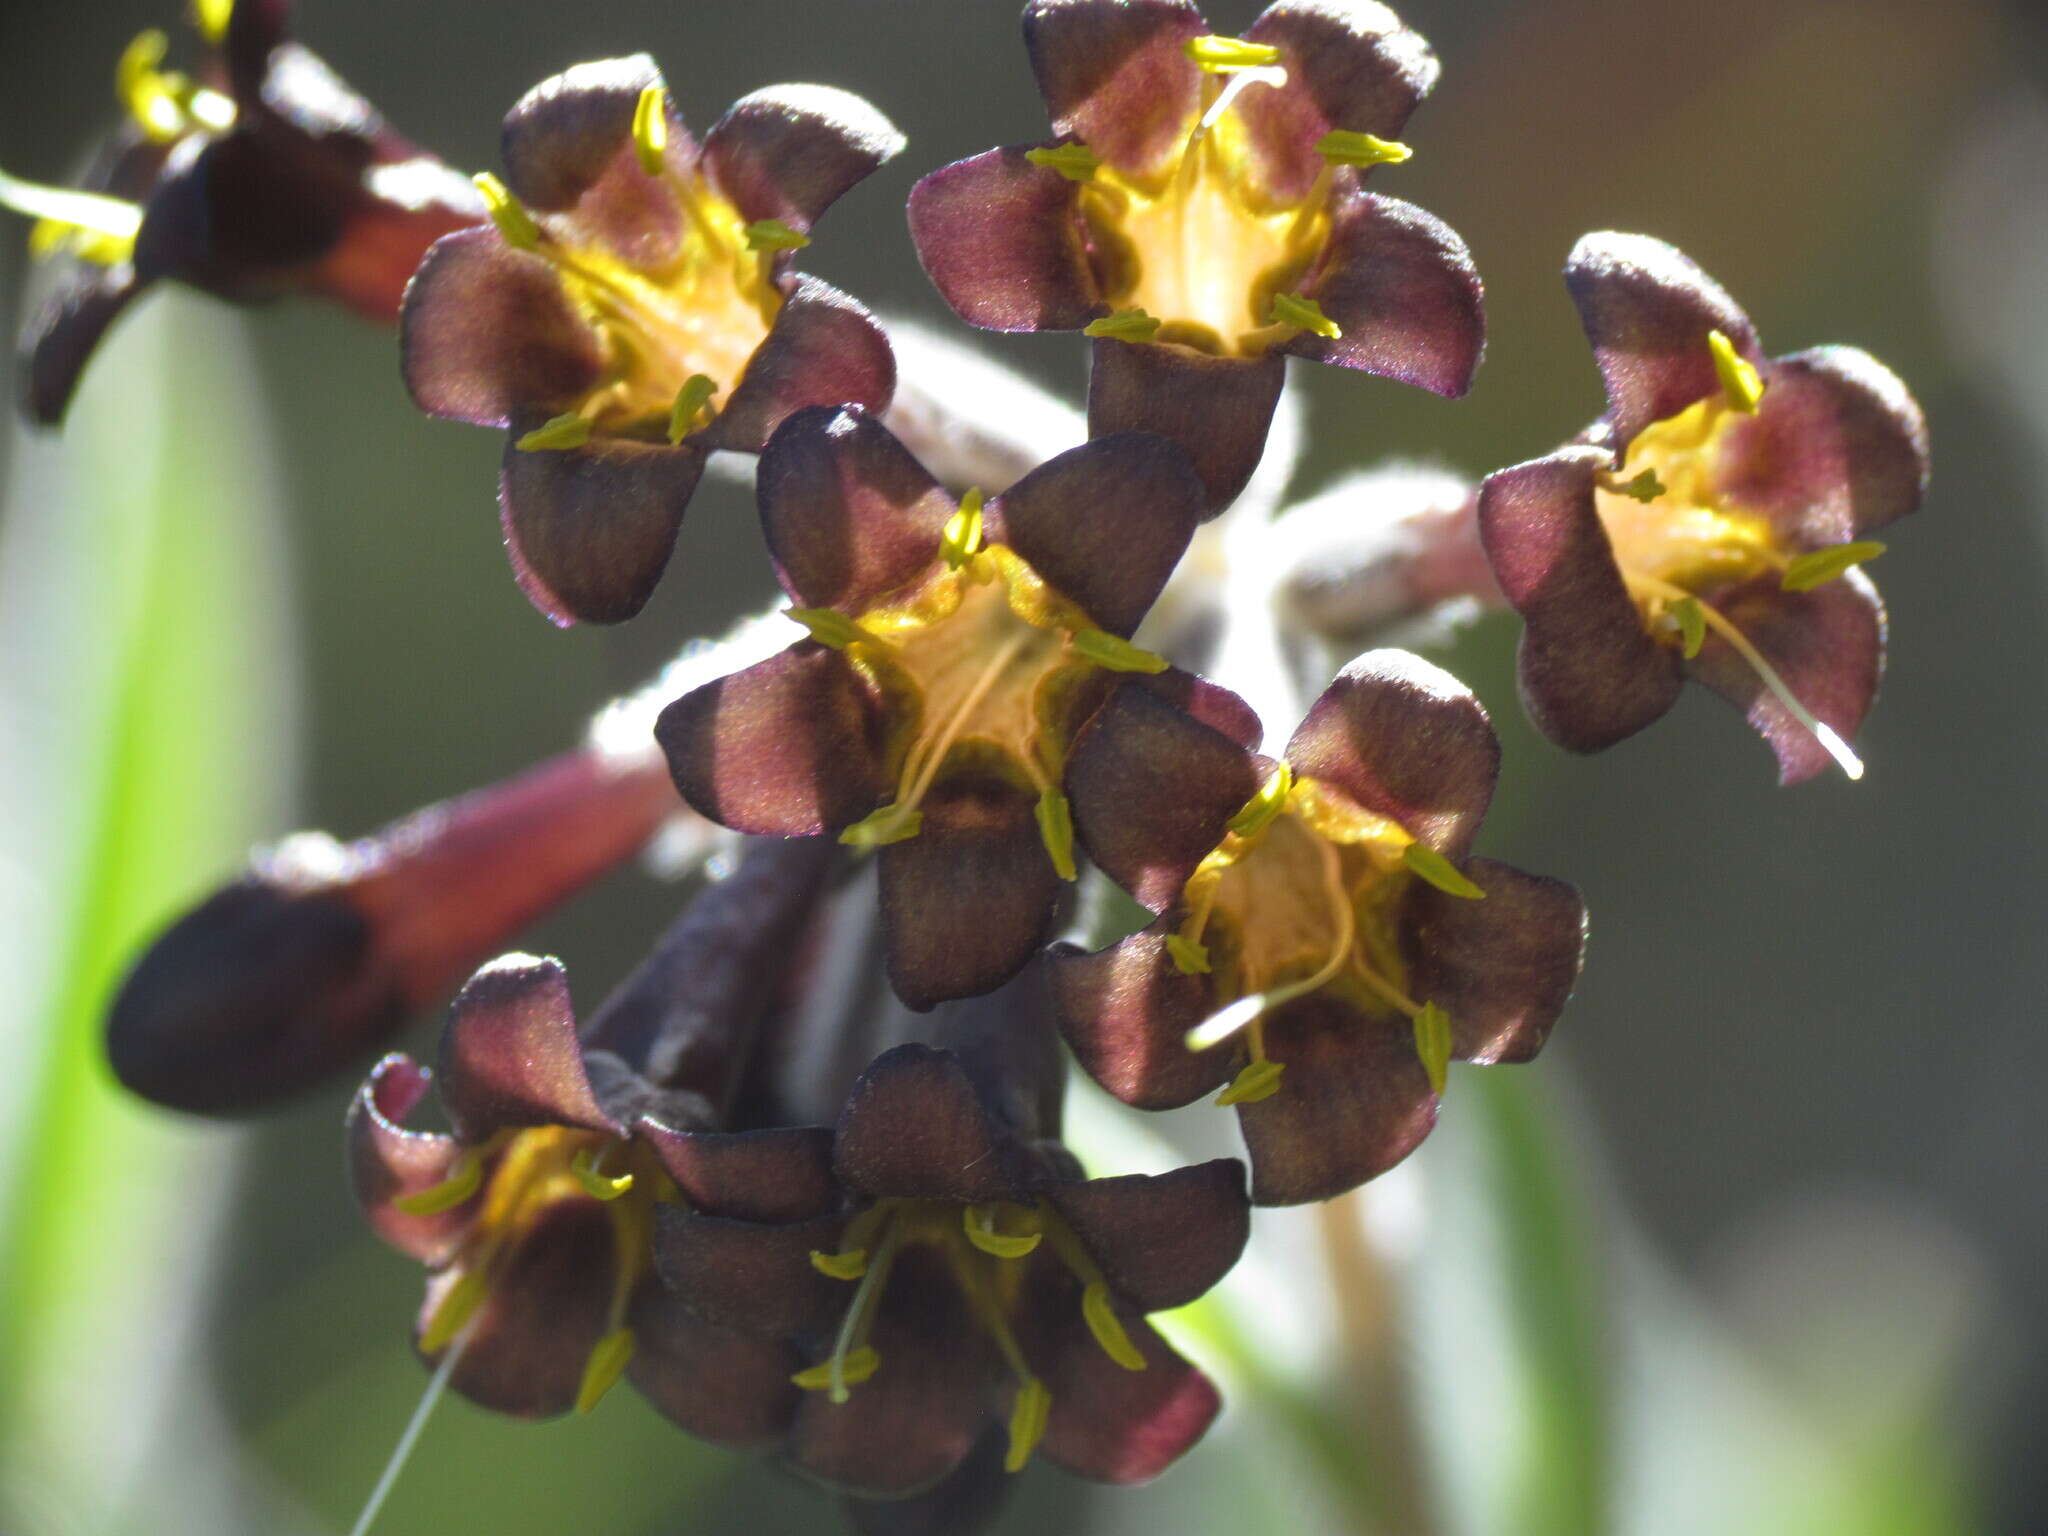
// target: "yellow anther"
[[1190, 956], [650, 130], [1304, 314], [607, 1363], [461, 1183], [568, 431], [1116, 653], [1740, 381], [1692, 625], [1027, 1423], [1433, 1044], [595, 1184], [211, 17], [891, 824], [458, 1304], [507, 212], [1269, 802], [1108, 1328], [1260, 1080], [1215, 55], [850, 1265], [1056, 831], [961, 541], [1124, 325], [774, 235], [1818, 567], [978, 1222], [1426, 863], [1645, 487], [828, 626], [692, 401], [1076, 162], [150, 96], [856, 1368], [1340, 146]]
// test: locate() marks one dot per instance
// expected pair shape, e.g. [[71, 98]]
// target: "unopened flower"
[[265, 175], [1710, 524], [973, 1274], [1325, 943], [535, 1211], [1203, 213], [632, 306], [957, 648]]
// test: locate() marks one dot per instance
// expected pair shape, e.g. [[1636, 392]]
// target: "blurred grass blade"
[[147, 746]]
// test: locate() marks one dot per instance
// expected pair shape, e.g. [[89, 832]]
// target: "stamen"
[[1190, 956], [149, 96], [848, 1264], [978, 1222], [1818, 567], [1116, 653], [570, 430], [1027, 1423], [437, 1384], [1124, 325], [692, 401], [1056, 831], [961, 540], [1241, 79], [211, 17], [1692, 626], [457, 1306], [595, 1184], [933, 756], [890, 824], [1259, 1080], [606, 1365], [774, 235], [857, 1367], [842, 1370], [1340, 146], [1108, 1328], [1644, 487], [507, 212], [1215, 55], [1220, 1026], [89, 212], [1225, 1022], [1433, 1045], [828, 626], [1076, 162], [1304, 314], [1259, 811], [1426, 863], [461, 1183], [650, 130], [1740, 381]]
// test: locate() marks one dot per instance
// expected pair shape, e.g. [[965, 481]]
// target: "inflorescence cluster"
[[794, 1213]]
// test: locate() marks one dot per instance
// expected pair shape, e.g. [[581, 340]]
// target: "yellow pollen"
[[1341, 146], [1433, 1045], [1692, 626], [507, 213], [850, 1264], [607, 1363], [828, 626], [1124, 325], [1818, 567], [650, 130], [774, 235], [1056, 831], [1259, 1080], [1076, 162], [595, 1184], [1116, 653], [1027, 1423], [1427, 864], [693, 401], [211, 17], [835, 1375], [463, 1180], [1190, 956], [567, 431], [1304, 314], [1269, 802], [98, 229], [1740, 381], [979, 1223], [961, 540], [1223, 55], [457, 1305]]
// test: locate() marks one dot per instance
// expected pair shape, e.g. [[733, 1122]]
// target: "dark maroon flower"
[[1325, 943], [268, 175], [1203, 213], [1710, 523], [535, 1211], [319, 955], [970, 1273], [958, 649], [633, 307]]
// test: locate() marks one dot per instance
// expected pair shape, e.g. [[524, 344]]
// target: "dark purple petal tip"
[[998, 237], [914, 1126], [1117, 76], [1218, 409], [788, 152], [823, 349], [510, 1055]]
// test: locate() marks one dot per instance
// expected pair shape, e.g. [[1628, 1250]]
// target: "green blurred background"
[[1757, 1246]]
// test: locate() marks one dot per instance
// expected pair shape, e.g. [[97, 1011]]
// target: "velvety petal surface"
[[1126, 1011], [1353, 1101], [63, 336], [849, 515], [1117, 76], [1501, 967], [1152, 790], [1401, 286], [914, 1126], [790, 151], [741, 1274], [1104, 523], [789, 747], [1350, 64], [1199, 699], [487, 332], [590, 529], [387, 1162], [1590, 675], [1837, 449], [718, 1384], [1161, 1240], [999, 239], [765, 1175], [1647, 309], [1406, 740], [964, 1502], [510, 1055], [1827, 645], [1218, 409], [1107, 1423], [824, 349]]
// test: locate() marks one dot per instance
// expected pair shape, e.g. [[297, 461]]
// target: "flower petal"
[[767, 1175], [1837, 448], [1161, 1240], [1353, 1101], [1406, 740], [718, 1384], [1108, 1423], [824, 349], [510, 1055], [1218, 409], [1199, 699], [915, 1127], [1117, 76], [1104, 523], [65, 333], [1502, 968], [848, 514], [1590, 674], [999, 238], [750, 1276], [590, 529], [1828, 646], [1401, 286], [789, 747], [1350, 64], [1126, 1011], [1152, 791], [387, 1162], [790, 151], [972, 897], [1648, 309], [963, 1502], [487, 332]]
